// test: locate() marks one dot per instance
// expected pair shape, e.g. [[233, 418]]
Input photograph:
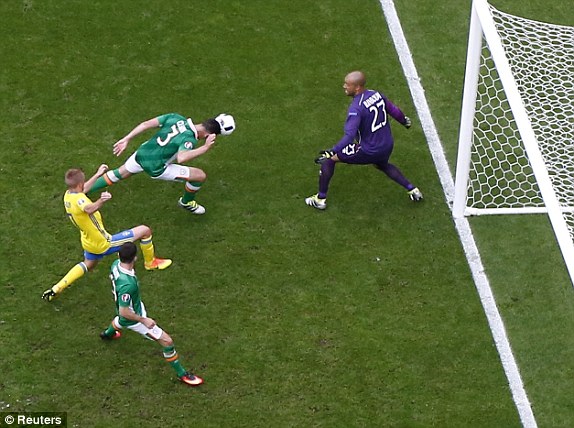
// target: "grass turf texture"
[[364, 315]]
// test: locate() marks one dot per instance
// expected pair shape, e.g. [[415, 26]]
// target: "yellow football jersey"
[[95, 238]]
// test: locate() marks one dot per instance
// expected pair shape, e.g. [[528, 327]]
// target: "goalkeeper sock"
[[396, 175], [191, 188], [148, 250], [325, 175], [171, 356], [73, 274], [109, 178]]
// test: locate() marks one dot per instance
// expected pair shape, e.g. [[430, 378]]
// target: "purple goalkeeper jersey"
[[367, 122]]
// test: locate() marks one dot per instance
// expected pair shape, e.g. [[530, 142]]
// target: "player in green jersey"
[[176, 141], [131, 312]]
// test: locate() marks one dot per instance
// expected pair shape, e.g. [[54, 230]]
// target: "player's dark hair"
[[212, 126], [74, 177], [128, 252]]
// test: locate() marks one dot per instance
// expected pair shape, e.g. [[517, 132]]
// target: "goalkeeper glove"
[[408, 122], [324, 155]]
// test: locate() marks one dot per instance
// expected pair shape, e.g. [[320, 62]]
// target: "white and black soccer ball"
[[226, 123]]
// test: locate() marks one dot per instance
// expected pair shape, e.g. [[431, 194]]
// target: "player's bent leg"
[[350, 154], [143, 233], [395, 174], [193, 184], [165, 340], [193, 178]]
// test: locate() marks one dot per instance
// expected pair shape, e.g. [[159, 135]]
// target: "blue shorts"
[[116, 242], [353, 154]]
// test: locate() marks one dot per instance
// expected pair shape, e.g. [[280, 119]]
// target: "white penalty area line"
[[462, 226]]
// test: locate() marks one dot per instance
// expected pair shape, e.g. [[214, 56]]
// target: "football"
[[226, 122]]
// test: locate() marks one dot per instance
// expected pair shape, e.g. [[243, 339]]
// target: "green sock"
[[170, 355], [110, 331], [109, 178], [191, 188]]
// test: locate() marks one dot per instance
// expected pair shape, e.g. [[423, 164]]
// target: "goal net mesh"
[[541, 58]]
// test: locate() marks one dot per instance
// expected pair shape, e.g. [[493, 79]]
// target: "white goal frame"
[[483, 33]]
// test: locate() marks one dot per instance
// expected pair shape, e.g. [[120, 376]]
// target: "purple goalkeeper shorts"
[[353, 154]]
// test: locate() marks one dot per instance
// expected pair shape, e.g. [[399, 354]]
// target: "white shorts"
[[173, 172], [132, 165], [149, 333]]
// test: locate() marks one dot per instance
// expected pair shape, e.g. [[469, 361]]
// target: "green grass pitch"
[[364, 315]]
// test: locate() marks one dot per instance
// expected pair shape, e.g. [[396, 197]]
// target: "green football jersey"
[[126, 291], [176, 133]]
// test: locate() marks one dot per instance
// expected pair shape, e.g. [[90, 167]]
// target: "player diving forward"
[[176, 141]]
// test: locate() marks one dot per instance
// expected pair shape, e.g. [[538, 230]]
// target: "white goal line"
[[463, 227]]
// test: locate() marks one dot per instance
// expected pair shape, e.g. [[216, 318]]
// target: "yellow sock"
[[73, 274], [147, 250]]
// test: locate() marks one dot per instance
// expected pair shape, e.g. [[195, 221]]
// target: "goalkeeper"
[[367, 140]]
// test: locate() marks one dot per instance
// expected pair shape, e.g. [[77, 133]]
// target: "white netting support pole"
[[527, 134], [473, 56]]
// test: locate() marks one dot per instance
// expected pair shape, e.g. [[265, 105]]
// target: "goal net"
[[516, 142]]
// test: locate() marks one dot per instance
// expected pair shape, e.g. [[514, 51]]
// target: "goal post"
[[516, 139]]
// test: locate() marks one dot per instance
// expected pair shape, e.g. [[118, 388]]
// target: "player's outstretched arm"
[[122, 144], [396, 113]]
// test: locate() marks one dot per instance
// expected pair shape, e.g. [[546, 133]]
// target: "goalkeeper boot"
[[415, 194], [191, 379], [114, 336], [316, 202], [192, 207], [158, 263], [49, 295]]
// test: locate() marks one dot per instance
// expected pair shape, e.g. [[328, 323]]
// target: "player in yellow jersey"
[[96, 241]]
